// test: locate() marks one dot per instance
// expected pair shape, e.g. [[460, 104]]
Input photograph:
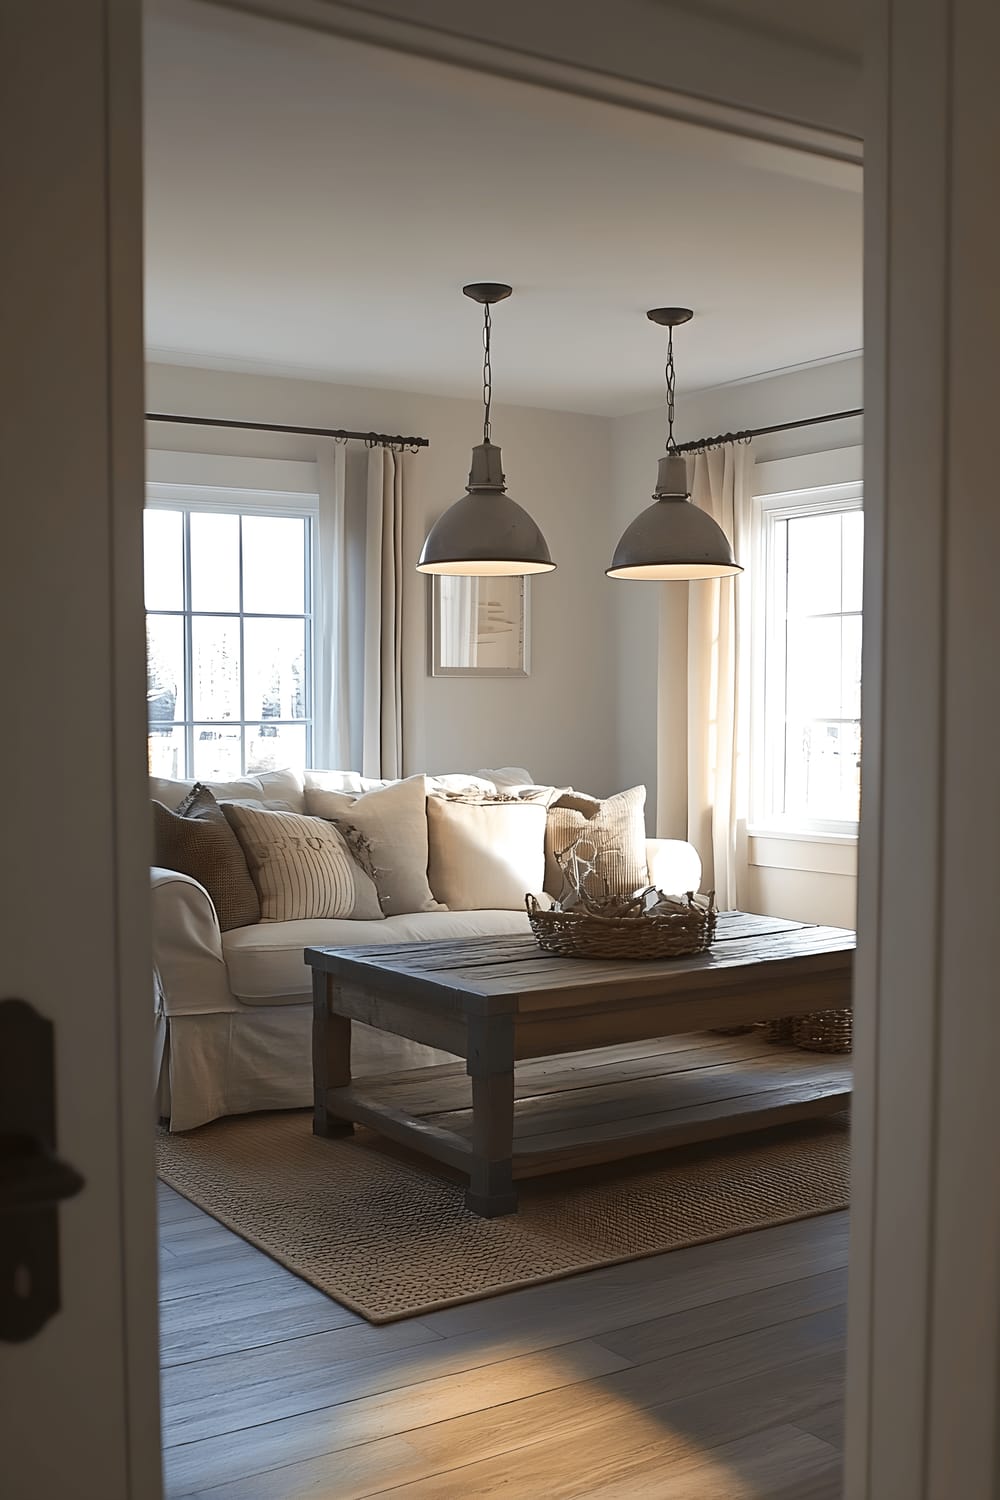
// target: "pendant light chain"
[[487, 372], [671, 390]]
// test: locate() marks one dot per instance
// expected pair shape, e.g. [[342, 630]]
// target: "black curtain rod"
[[752, 432], [373, 439]]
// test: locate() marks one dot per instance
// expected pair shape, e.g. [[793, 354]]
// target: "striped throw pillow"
[[612, 833], [301, 866]]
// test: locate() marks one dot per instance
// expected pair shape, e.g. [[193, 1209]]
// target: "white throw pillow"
[[504, 777], [393, 821], [342, 781], [281, 788], [486, 856], [301, 866]]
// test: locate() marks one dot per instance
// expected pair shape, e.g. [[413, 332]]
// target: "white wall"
[[559, 722], [650, 622], [609, 676]]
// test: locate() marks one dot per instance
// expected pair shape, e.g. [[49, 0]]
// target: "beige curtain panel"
[[382, 739], [718, 679], [358, 610]]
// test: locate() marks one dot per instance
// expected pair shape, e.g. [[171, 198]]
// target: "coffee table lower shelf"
[[585, 1111]]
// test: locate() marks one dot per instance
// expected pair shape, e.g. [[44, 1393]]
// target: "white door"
[[78, 1401]]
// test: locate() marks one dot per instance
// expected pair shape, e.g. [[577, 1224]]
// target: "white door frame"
[[925, 1288], [79, 1402], [658, 58], [924, 1339]]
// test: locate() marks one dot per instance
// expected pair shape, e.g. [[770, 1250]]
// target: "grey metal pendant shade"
[[486, 533], [672, 539]]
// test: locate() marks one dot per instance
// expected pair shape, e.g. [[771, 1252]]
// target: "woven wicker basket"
[[824, 1031], [584, 932], [781, 1032]]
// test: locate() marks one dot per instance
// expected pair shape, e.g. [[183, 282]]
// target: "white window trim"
[[816, 853], [217, 498], [786, 488], [225, 471]]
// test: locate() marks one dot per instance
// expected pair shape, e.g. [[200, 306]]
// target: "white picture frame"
[[479, 627]]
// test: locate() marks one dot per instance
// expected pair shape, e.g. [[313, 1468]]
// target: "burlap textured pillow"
[[618, 828], [301, 866], [197, 841]]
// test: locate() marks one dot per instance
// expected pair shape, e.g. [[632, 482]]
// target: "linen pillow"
[[196, 840], [618, 828], [393, 821], [485, 856], [280, 788], [301, 866], [341, 781]]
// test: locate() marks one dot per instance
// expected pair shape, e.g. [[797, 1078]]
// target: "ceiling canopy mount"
[[488, 292]]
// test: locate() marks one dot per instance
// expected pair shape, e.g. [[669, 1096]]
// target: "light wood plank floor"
[[714, 1373]]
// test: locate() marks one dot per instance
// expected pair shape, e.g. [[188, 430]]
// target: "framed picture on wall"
[[478, 627]]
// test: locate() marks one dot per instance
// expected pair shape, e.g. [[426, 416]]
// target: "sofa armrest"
[[191, 975], [674, 865]]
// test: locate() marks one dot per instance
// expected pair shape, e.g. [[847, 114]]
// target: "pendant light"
[[672, 539], [486, 533]]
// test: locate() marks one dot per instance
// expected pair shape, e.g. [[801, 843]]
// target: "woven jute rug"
[[389, 1236]]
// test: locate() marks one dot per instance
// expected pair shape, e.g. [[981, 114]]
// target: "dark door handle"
[[32, 1176]]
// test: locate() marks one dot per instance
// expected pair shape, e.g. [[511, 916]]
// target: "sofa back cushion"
[[612, 832], [485, 856], [281, 789], [392, 819], [197, 841], [301, 866]]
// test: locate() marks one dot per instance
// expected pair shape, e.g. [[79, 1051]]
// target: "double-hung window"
[[807, 678], [228, 577]]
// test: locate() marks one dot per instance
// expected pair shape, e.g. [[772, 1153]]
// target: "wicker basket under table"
[[823, 1031]]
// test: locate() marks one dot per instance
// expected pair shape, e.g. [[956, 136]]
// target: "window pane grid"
[[809, 677], [199, 740]]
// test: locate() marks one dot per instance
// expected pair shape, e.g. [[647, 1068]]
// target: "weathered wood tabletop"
[[494, 1001]]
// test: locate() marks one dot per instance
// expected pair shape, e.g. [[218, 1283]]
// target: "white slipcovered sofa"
[[233, 1009]]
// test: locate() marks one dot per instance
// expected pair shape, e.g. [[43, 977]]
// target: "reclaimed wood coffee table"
[[495, 1001]]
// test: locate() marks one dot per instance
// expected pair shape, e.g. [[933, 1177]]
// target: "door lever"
[[33, 1179], [32, 1176]]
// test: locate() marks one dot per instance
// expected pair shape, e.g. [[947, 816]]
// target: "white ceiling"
[[314, 207]]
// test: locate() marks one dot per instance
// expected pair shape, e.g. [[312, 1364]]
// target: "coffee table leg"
[[331, 1057], [490, 1065]]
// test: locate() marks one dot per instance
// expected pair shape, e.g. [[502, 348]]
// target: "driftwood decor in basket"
[[664, 927], [592, 921]]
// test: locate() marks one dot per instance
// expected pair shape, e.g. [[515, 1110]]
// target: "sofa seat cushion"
[[266, 966]]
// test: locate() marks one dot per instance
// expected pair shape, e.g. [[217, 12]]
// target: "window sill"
[[800, 835]]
